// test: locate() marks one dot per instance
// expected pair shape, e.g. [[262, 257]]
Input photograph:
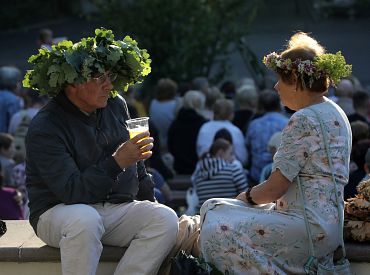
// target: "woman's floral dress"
[[239, 239]]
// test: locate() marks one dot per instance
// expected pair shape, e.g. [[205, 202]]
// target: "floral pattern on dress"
[[240, 239]]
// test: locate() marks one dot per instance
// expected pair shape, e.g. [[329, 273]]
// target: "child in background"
[[272, 146], [10, 202], [216, 175]]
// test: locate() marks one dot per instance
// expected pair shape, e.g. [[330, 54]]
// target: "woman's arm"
[[268, 191]]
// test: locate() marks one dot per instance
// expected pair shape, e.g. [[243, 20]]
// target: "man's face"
[[93, 94]]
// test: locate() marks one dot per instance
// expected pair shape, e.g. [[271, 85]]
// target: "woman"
[[239, 239]]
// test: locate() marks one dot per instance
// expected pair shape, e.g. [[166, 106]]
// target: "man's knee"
[[87, 221], [168, 220]]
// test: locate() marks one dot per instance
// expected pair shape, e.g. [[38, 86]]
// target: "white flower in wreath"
[[300, 67]]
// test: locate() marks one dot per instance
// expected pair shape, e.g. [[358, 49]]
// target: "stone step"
[[23, 253]]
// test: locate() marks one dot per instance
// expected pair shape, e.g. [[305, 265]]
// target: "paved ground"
[[269, 32]]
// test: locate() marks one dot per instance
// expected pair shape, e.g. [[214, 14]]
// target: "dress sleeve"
[[296, 146]]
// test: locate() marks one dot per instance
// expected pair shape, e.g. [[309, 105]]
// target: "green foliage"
[[185, 38], [334, 65], [70, 63]]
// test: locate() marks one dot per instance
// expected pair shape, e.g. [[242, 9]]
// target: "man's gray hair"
[[247, 96], [10, 76], [194, 100]]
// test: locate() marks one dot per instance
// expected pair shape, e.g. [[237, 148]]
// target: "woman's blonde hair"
[[303, 47]]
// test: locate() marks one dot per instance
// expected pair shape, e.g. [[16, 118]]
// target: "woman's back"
[[302, 153]]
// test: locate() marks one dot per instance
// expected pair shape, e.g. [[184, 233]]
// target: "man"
[[361, 105], [10, 103], [83, 176], [260, 131], [367, 165], [344, 92]]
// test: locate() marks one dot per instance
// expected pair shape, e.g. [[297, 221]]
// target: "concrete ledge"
[[20, 244], [358, 252]]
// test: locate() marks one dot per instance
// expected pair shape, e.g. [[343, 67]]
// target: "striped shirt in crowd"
[[217, 178]]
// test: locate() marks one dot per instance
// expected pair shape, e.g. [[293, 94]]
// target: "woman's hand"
[[242, 197], [268, 191], [133, 150]]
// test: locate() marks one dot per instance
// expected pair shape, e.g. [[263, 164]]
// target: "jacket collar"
[[63, 101]]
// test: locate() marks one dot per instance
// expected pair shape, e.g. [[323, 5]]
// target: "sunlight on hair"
[[303, 40]]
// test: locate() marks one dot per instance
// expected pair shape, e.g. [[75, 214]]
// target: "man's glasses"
[[104, 77]]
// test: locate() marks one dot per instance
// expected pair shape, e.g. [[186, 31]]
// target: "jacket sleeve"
[[146, 184], [48, 154]]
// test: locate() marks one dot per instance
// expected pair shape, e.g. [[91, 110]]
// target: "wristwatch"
[[248, 196]]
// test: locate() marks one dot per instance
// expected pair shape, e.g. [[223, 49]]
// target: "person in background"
[[344, 92], [246, 99], [200, 83], [223, 115], [183, 132], [6, 157], [212, 96], [162, 108], [272, 147], [360, 131], [260, 131], [228, 89], [86, 179], [161, 188], [216, 175], [367, 166], [358, 157], [34, 102], [10, 202], [158, 160], [10, 102], [19, 183], [245, 236], [135, 106], [361, 104], [45, 40]]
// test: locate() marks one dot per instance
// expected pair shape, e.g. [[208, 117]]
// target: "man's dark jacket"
[[69, 158]]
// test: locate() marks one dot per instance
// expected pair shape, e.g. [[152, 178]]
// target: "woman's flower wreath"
[[332, 66], [69, 63]]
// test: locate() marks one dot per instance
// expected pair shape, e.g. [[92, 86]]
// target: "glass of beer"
[[138, 125]]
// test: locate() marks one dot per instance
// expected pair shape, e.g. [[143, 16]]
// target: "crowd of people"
[[87, 181]]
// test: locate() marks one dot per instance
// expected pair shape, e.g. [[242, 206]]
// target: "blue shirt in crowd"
[[9, 105], [258, 135]]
